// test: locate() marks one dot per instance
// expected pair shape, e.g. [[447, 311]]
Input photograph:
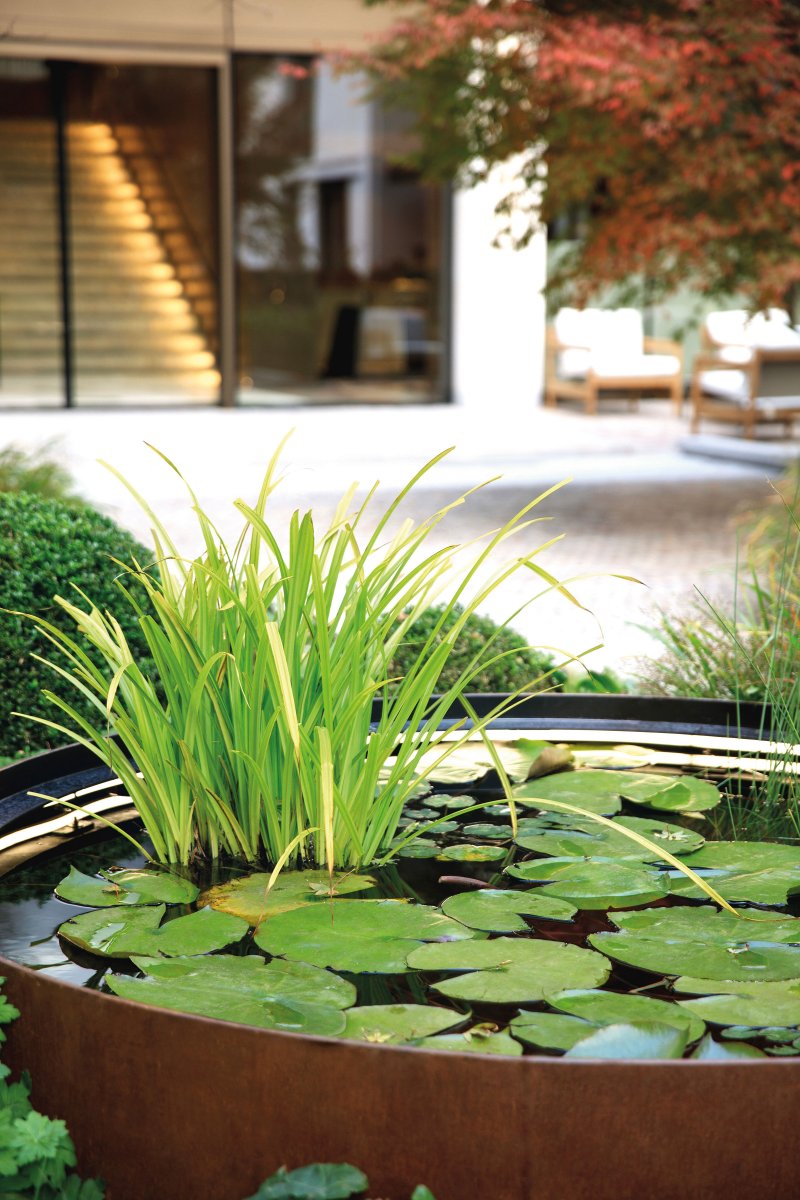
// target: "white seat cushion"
[[649, 366], [725, 385]]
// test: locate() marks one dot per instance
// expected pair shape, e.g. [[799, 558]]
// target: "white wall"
[[498, 308], [297, 26]]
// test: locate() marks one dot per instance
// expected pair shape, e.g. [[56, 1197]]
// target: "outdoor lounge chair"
[[734, 333], [592, 351], [763, 388]]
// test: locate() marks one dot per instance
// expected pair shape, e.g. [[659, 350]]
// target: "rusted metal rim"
[[185, 1108]]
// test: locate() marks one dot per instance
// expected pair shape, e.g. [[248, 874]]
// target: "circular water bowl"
[[185, 1108]]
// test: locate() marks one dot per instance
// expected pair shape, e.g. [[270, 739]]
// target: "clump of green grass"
[[36, 474], [253, 734]]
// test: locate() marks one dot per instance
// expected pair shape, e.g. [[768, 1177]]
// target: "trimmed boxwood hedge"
[[45, 547], [518, 669]]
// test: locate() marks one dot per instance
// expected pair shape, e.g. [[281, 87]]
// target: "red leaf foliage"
[[674, 124]]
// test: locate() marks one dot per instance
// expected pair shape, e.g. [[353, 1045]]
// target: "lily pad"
[[711, 1051], [502, 911], [550, 1031], [620, 757], [595, 882], [633, 1039], [419, 848], [601, 791], [107, 931], [611, 1008], [587, 839], [489, 832], [474, 1041], [123, 932], [755, 872], [510, 970], [289, 996], [396, 1024], [443, 801], [591, 791], [471, 853], [357, 935], [111, 889], [248, 897], [758, 1005], [470, 761], [706, 944]]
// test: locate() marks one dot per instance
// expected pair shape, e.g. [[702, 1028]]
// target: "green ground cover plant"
[[322, 1181], [36, 1152], [48, 547]]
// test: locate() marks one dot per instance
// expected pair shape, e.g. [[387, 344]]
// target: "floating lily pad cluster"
[[558, 934]]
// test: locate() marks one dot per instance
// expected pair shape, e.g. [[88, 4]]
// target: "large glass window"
[[108, 234], [31, 330], [338, 248]]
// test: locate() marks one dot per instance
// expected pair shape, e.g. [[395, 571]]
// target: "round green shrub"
[[522, 667], [46, 546]]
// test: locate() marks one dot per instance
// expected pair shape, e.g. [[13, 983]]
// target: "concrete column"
[[498, 308]]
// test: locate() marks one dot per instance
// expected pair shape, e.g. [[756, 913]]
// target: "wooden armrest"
[[657, 345], [712, 362]]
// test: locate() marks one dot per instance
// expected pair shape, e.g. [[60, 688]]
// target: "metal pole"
[[58, 74], [227, 273]]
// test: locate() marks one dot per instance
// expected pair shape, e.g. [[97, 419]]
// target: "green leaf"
[[587, 839], [502, 911], [754, 1004], [294, 997], [510, 970], [397, 1024], [593, 791], [593, 883], [755, 872], [114, 888], [471, 761], [320, 1181], [248, 897], [492, 833], [634, 1039], [612, 1008], [710, 1051], [122, 932], [420, 848], [705, 943], [550, 1031], [600, 791], [356, 935], [470, 853], [474, 1041]]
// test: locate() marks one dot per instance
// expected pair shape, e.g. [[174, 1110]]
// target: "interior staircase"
[[136, 336]]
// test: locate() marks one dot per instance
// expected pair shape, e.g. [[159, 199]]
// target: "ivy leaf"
[[320, 1181]]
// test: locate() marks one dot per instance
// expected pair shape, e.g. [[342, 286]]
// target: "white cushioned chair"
[[764, 388], [734, 334], [591, 351]]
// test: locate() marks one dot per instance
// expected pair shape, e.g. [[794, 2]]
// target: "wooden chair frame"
[[588, 391], [751, 413]]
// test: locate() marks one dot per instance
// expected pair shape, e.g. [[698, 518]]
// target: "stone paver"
[[636, 506]]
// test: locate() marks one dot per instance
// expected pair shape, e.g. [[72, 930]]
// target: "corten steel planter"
[[179, 1107]]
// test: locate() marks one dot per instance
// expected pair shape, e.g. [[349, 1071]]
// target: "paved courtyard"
[[636, 506]]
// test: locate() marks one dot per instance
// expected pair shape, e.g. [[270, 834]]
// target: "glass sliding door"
[[31, 330], [339, 251]]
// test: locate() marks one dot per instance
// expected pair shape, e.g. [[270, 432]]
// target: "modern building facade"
[[196, 209]]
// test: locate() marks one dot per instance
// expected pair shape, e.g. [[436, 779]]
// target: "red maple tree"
[[673, 128]]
